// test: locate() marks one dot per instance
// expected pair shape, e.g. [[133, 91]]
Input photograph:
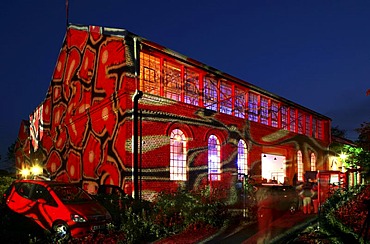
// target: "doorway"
[[273, 168]]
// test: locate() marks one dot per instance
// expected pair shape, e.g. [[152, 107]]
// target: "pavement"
[[266, 230]]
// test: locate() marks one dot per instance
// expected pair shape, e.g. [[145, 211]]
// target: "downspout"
[[135, 127]]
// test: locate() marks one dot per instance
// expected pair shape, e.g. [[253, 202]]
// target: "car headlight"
[[77, 218]]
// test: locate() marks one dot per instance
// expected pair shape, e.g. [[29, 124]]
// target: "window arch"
[[242, 160], [214, 162], [313, 162], [178, 155], [300, 166]]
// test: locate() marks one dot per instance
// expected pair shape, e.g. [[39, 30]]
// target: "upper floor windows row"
[[187, 84]]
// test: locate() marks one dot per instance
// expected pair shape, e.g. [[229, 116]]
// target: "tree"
[[363, 156], [356, 154], [338, 140], [336, 131], [11, 153], [364, 136], [8, 163]]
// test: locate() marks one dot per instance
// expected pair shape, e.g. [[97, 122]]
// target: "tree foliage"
[[11, 153], [364, 136], [363, 155], [357, 154], [336, 131]]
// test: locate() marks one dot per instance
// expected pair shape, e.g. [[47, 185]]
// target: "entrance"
[[273, 168]]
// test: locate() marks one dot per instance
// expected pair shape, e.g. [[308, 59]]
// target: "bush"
[[5, 182], [170, 214], [344, 213]]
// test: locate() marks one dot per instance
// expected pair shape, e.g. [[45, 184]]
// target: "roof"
[[342, 140], [123, 33]]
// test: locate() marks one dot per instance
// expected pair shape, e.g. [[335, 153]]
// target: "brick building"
[[193, 124]]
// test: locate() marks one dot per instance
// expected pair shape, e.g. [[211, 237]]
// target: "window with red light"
[[239, 103], [191, 87], [178, 155], [293, 120], [150, 74], [300, 122], [319, 129], [253, 107], [314, 127], [225, 98], [214, 158], [264, 118], [274, 114], [284, 117], [210, 98], [172, 81], [308, 125]]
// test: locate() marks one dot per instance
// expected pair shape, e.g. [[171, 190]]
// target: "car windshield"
[[71, 194]]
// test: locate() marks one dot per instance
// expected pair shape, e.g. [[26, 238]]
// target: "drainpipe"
[[138, 94], [135, 128]]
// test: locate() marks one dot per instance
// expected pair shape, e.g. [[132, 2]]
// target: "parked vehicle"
[[62, 209]]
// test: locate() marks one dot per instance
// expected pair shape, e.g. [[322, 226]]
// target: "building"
[[192, 124]]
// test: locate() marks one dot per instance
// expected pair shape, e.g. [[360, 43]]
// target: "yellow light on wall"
[[25, 173], [343, 156], [36, 170]]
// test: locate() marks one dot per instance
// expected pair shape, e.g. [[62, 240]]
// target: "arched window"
[[242, 159], [313, 162], [300, 166], [177, 155], [214, 165]]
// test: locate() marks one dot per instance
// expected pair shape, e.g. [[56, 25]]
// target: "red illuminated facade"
[[196, 125]]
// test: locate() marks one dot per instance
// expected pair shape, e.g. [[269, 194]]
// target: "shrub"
[[344, 213], [5, 182], [171, 213]]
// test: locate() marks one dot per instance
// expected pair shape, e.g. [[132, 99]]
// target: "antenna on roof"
[[67, 13]]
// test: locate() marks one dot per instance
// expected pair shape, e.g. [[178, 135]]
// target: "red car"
[[64, 209]]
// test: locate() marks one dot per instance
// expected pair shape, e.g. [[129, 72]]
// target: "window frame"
[[150, 74], [210, 93], [300, 168], [226, 103], [239, 103], [178, 165], [214, 152], [191, 86], [242, 159], [264, 111], [253, 106], [313, 161]]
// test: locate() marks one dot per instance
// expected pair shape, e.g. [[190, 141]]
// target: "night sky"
[[313, 52]]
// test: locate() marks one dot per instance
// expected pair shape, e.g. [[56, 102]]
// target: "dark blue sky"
[[313, 52]]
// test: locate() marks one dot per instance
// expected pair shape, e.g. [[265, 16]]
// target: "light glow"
[[343, 156], [25, 173], [36, 170]]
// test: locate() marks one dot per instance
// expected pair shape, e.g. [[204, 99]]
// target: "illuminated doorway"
[[273, 168]]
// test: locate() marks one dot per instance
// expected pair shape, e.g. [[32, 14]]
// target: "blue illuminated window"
[[214, 163]]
